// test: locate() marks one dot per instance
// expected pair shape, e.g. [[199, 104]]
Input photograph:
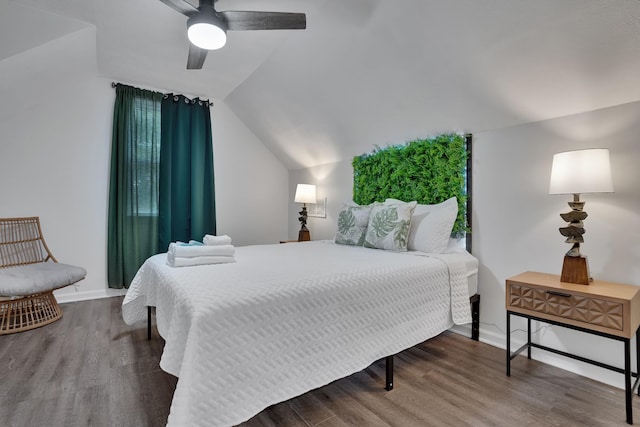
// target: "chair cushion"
[[40, 277]]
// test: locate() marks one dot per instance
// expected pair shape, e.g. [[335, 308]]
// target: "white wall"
[[55, 137], [515, 221], [54, 150], [251, 184]]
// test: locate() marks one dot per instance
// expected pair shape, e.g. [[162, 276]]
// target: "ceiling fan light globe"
[[207, 35]]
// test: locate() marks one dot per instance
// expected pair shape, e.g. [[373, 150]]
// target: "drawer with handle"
[[587, 309]]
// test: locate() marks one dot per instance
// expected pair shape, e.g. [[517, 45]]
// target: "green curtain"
[[187, 198], [133, 186]]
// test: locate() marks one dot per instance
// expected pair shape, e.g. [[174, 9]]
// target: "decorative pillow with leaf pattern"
[[352, 225], [431, 226], [389, 226]]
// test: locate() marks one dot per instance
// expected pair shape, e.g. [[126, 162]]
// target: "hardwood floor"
[[90, 369]]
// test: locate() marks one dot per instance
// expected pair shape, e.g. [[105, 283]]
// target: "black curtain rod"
[[175, 97]]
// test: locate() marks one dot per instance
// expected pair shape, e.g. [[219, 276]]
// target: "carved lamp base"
[[575, 270]]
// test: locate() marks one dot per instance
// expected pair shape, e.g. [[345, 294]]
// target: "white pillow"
[[389, 226], [431, 226]]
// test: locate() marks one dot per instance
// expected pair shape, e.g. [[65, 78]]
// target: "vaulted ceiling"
[[365, 72]]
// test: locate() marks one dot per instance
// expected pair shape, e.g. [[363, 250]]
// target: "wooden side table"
[[610, 310]]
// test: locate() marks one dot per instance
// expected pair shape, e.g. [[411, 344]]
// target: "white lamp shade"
[[581, 171], [207, 36], [305, 193]]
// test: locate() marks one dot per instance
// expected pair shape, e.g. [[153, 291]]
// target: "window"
[[145, 158]]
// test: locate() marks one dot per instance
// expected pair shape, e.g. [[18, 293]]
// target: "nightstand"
[[610, 310]]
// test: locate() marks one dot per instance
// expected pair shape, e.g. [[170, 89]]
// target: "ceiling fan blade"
[[196, 58], [181, 6], [246, 20]]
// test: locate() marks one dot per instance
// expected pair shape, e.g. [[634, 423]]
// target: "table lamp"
[[578, 172], [305, 193]]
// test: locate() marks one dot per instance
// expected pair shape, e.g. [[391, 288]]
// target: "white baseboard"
[[462, 330], [66, 297]]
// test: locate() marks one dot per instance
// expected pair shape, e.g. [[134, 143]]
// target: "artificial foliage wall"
[[426, 170]]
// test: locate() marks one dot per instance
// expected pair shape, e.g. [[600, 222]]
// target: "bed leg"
[[148, 322], [389, 368], [475, 317]]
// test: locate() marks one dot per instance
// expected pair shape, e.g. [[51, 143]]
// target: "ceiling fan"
[[207, 28]]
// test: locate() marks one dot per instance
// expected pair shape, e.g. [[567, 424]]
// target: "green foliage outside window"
[[429, 171]]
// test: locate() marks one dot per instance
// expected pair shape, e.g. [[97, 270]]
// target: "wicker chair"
[[29, 274]]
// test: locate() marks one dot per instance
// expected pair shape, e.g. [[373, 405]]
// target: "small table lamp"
[[305, 193], [576, 172]]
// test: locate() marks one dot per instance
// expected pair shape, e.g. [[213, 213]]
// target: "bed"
[[288, 318]]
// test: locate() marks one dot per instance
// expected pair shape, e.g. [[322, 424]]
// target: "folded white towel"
[[173, 261], [190, 243], [216, 240], [204, 250]]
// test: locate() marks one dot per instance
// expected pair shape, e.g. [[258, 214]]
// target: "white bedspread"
[[288, 318]]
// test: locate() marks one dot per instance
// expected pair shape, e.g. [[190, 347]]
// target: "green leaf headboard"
[[426, 170]]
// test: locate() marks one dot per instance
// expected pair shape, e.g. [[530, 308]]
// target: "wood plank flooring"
[[90, 369]]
